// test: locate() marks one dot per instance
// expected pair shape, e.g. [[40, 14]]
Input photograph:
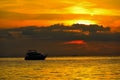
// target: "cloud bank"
[[60, 40]]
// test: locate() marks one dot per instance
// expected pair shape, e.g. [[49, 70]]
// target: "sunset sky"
[[63, 38], [17, 13]]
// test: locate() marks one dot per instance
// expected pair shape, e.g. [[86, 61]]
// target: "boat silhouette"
[[34, 55]]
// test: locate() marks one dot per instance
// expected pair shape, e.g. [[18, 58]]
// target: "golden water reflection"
[[87, 68]]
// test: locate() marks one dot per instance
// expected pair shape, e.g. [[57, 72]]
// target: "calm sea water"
[[61, 68]]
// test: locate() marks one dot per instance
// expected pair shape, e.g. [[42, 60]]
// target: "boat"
[[34, 55]]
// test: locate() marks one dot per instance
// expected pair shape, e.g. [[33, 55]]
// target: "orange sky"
[[19, 13]]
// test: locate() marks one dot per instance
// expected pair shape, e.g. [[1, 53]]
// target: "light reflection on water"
[[61, 68]]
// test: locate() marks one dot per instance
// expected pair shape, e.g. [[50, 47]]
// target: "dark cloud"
[[61, 32], [98, 40]]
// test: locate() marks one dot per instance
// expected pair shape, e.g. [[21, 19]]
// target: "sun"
[[86, 22]]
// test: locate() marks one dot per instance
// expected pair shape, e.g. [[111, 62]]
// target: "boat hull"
[[35, 57]]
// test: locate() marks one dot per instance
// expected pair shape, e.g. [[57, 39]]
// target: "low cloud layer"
[[61, 32], [60, 40]]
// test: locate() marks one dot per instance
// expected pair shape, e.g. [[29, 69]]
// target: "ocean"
[[61, 68]]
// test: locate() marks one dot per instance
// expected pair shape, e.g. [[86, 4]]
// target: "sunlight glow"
[[78, 42], [86, 22], [78, 10]]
